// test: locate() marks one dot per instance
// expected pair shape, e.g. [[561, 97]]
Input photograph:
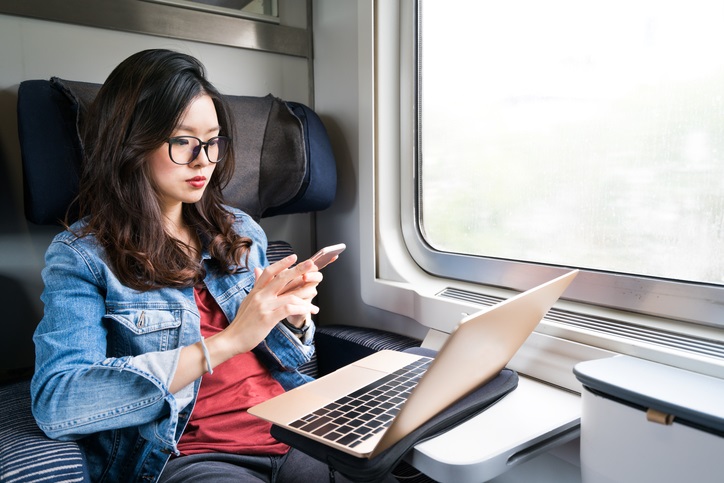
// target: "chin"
[[193, 197]]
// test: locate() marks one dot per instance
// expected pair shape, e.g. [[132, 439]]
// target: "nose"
[[201, 158]]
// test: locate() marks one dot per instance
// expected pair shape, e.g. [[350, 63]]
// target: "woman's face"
[[177, 184]]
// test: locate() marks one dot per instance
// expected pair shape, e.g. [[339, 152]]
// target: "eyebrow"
[[191, 129]]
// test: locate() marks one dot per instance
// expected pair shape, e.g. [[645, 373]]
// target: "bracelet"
[[206, 356], [296, 330]]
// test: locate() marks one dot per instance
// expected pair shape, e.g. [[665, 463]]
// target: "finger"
[[307, 266], [292, 286], [312, 278], [273, 270], [300, 308], [315, 277], [306, 293], [284, 278], [292, 307]]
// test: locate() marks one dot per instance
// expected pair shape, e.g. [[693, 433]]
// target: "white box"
[[646, 422]]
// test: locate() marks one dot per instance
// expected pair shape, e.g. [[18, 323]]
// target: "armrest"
[[339, 345], [26, 454]]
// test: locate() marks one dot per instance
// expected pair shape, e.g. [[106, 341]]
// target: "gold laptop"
[[369, 405]]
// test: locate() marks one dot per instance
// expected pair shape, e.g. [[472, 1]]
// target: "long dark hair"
[[135, 111]]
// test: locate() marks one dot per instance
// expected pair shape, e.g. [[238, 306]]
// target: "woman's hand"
[[305, 287], [279, 292]]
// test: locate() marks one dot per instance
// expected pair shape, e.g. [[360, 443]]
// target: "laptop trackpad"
[[346, 380], [305, 399]]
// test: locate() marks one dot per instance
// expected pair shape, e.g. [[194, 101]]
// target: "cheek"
[[160, 165]]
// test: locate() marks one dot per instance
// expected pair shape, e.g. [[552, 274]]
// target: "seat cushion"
[[26, 454]]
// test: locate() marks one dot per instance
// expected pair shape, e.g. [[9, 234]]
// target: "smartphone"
[[327, 255]]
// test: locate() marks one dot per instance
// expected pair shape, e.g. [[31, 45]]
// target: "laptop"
[[369, 405]]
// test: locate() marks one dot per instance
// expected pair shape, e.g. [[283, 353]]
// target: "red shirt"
[[219, 422]]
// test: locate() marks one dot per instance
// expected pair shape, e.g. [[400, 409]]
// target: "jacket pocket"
[[135, 331]]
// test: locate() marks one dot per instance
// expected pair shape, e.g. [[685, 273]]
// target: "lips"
[[197, 181]]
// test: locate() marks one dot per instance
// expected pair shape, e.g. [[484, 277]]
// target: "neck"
[[176, 227], [174, 222]]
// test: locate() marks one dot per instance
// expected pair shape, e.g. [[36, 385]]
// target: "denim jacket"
[[106, 354]]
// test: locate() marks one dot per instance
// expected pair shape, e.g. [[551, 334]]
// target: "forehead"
[[200, 116]]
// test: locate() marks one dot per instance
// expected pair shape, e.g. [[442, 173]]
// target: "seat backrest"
[[284, 161]]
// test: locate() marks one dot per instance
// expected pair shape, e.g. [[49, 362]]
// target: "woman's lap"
[[218, 467], [294, 467]]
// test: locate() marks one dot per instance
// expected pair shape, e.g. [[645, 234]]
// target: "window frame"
[[699, 303]]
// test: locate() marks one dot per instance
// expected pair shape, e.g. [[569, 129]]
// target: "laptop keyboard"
[[358, 416]]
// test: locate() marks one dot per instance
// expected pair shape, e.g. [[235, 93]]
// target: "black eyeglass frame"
[[197, 150]]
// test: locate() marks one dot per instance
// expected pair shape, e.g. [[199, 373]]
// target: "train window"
[[576, 134]]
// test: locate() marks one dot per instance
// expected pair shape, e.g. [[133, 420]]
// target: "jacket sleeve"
[[77, 389]]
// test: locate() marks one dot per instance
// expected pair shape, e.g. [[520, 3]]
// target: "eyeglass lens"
[[184, 149]]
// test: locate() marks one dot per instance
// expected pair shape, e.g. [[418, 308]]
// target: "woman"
[[160, 284]]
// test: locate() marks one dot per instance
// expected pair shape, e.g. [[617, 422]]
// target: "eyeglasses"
[[184, 149]]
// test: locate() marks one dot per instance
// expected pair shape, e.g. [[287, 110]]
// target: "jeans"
[[294, 467]]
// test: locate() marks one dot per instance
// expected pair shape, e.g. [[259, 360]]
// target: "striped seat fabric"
[[373, 339], [26, 454], [277, 249]]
